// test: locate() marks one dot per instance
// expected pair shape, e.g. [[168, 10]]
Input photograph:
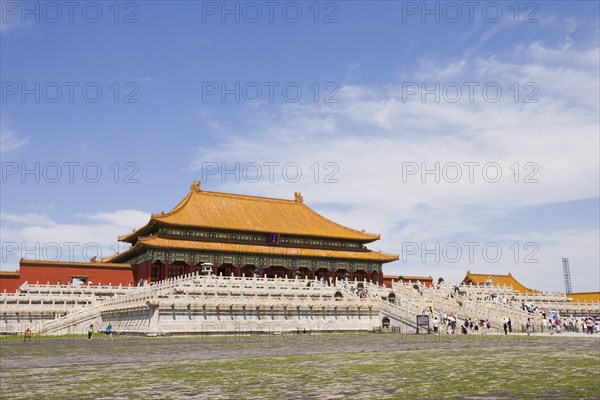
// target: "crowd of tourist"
[[443, 323], [572, 324], [551, 323], [496, 299]]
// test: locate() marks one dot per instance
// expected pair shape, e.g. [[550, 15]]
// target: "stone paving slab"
[[301, 366]]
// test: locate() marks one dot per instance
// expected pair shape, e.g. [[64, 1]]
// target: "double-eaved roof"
[[216, 211], [235, 212]]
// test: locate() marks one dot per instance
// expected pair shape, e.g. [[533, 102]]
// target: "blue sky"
[[388, 76]]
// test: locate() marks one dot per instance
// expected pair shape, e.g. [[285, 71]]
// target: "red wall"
[[53, 273], [9, 283], [96, 275]]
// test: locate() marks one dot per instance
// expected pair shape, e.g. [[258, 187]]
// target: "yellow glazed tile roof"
[[215, 210], [497, 280], [158, 242], [589, 297]]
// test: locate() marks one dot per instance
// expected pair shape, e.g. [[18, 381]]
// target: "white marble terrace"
[[206, 304]]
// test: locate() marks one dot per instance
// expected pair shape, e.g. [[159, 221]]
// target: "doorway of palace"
[[197, 268], [225, 269], [280, 272], [177, 269], [322, 273], [375, 277], [302, 273], [341, 274], [248, 271], [155, 275], [360, 275]]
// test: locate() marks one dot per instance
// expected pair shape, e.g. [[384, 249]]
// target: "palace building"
[[225, 234], [230, 263], [490, 280], [496, 280]]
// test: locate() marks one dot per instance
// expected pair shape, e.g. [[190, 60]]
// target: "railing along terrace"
[[97, 289], [446, 299], [205, 285]]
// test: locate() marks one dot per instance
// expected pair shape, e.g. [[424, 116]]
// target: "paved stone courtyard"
[[358, 366]]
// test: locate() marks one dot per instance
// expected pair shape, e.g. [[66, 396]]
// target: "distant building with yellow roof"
[[496, 280], [584, 297]]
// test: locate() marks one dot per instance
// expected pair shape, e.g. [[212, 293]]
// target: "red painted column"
[[136, 272], [380, 278], [148, 270], [166, 274]]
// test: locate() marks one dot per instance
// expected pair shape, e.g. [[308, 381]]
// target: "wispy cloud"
[[37, 236], [373, 130], [10, 141], [9, 25], [120, 218]]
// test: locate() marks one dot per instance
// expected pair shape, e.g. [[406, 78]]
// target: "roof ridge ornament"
[[298, 197], [195, 187]]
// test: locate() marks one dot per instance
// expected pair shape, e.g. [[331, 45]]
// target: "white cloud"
[[37, 236], [372, 131], [12, 23], [120, 218], [10, 141], [536, 261], [27, 219]]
